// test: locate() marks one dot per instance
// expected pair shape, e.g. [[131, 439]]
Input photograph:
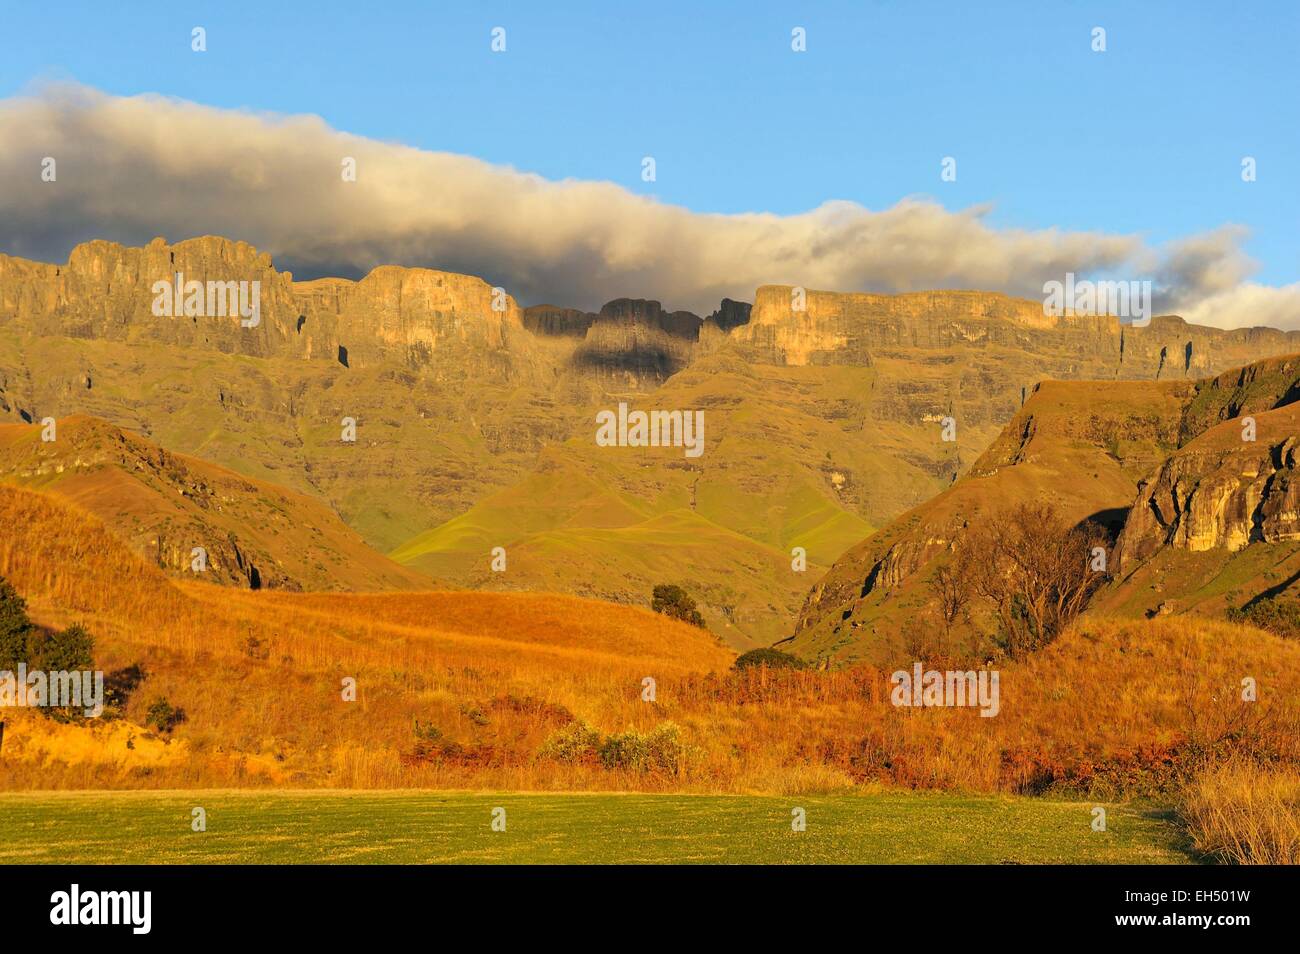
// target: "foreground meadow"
[[429, 827]]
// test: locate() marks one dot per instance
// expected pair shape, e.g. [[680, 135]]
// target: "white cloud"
[[130, 168], [1247, 305]]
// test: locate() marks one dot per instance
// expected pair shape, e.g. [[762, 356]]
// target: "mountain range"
[[827, 418]]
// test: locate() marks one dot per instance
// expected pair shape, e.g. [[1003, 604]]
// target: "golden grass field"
[[497, 681]]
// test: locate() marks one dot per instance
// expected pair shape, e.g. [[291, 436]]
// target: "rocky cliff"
[[1200, 477], [449, 326], [800, 327], [1234, 481]]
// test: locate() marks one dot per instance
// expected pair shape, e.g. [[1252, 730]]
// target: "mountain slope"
[[496, 692], [1218, 524], [1082, 446], [163, 505], [1207, 519], [489, 676]]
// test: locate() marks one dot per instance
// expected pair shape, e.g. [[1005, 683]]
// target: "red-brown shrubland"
[[480, 690]]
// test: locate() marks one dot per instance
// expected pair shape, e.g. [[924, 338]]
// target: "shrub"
[[163, 716], [625, 750], [576, 743], [771, 658], [667, 751], [427, 732], [673, 601], [15, 627], [1279, 617], [662, 750], [65, 651], [119, 684]]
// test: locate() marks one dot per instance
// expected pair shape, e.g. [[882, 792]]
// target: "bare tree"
[[953, 590], [1035, 570]]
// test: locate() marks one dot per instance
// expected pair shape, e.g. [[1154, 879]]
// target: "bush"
[[15, 627], [673, 601], [577, 743], [625, 750], [432, 746], [667, 750], [662, 750], [428, 732], [163, 716], [120, 683], [771, 658], [66, 651], [1279, 617]]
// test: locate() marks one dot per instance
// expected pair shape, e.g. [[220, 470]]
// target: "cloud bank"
[[131, 168]]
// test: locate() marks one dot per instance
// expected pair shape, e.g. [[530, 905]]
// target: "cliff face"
[[106, 291], [552, 320], [455, 326], [633, 337], [803, 326], [1235, 481], [839, 328], [1204, 499], [447, 326]]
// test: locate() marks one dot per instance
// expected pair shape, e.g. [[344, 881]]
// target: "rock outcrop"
[[448, 326], [1203, 500], [801, 326]]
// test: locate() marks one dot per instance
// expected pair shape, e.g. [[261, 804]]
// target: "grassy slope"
[[532, 661], [370, 828], [163, 504], [613, 522], [1080, 445], [500, 675]]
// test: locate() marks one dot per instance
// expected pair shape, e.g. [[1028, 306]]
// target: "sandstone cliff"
[[1234, 482], [836, 327]]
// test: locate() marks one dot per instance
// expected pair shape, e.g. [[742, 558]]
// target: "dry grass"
[[1245, 814], [1113, 707]]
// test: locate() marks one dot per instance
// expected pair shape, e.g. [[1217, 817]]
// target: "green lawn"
[[417, 827]]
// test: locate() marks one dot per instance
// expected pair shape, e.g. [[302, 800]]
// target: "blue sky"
[[1145, 138]]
